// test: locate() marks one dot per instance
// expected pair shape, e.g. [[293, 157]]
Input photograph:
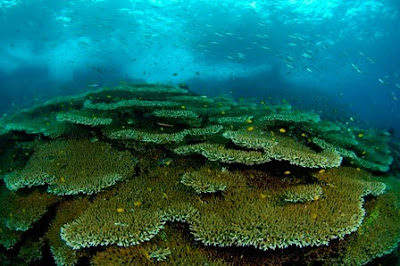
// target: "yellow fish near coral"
[[282, 130]]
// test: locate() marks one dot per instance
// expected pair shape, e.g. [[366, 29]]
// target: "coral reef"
[[144, 174]]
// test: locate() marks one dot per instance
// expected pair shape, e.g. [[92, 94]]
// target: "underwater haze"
[[339, 58]]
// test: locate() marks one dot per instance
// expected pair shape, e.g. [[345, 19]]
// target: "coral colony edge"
[[152, 174]]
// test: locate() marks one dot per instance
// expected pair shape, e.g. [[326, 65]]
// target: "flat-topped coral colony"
[[146, 173]]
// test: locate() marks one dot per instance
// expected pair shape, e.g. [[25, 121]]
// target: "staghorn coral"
[[72, 167]]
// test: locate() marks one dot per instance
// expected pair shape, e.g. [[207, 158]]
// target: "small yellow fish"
[[282, 130], [183, 107], [145, 254], [321, 171], [62, 179], [304, 135], [120, 210], [287, 172], [251, 128], [263, 196], [249, 121], [137, 203], [360, 135]]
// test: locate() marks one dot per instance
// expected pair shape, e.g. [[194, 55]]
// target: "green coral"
[[340, 214], [31, 251], [131, 103], [132, 213], [163, 138], [83, 119], [261, 223], [285, 148], [292, 117], [303, 193], [216, 152], [206, 181], [380, 233], [8, 238], [20, 212], [72, 167], [66, 212]]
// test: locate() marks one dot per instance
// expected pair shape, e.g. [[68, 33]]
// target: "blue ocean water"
[[339, 58]]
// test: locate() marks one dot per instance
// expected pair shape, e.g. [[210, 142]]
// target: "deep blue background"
[[340, 58]]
